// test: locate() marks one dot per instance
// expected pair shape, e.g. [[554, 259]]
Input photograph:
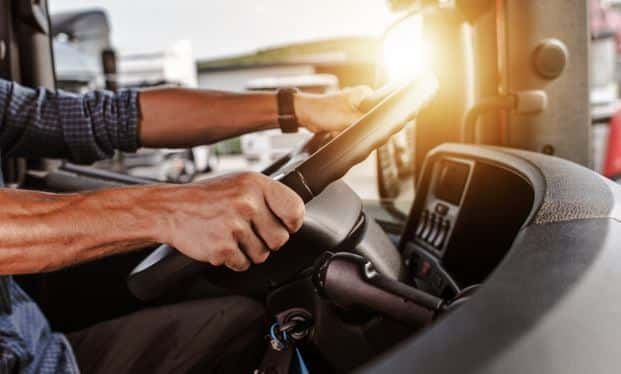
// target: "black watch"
[[287, 120]]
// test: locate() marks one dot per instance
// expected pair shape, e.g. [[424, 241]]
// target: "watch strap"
[[287, 120]]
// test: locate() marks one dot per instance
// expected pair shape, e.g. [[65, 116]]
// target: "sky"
[[218, 28]]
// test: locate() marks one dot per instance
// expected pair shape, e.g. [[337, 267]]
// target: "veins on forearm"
[[43, 232]]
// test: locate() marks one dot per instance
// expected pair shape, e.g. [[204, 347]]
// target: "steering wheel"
[[391, 108]]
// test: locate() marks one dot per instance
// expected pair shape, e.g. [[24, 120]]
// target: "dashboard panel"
[[467, 212], [560, 270], [449, 182]]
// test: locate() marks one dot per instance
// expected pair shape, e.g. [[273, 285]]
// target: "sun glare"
[[405, 52]]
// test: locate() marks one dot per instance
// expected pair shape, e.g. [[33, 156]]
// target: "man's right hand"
[[233, 220]]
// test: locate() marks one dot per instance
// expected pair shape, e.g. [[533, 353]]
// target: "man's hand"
[[233, 220], [330, 112]]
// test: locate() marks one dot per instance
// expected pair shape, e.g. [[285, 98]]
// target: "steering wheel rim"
[[333, 160], [166, 267]]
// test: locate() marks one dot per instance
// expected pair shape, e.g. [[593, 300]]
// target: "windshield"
[[218, 28], [231, 45]]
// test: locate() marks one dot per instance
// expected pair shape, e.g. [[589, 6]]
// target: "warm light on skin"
[[405, 52]]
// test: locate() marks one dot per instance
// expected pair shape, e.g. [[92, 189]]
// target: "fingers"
[[357, 94], [237, 221], [285, 204], [252, 246], [232, 257], [270, 229], [267, 225], [269, 212]]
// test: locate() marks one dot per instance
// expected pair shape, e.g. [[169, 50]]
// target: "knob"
[[550, 58]]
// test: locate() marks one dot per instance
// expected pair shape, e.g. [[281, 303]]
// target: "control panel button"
[[430, 227], [438, 241], [441, 209], [433, 228], [443, 234], [436, 229], [427, 272], [424, 269], [422, 222]]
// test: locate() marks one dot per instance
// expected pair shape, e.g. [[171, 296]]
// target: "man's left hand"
[[330, 112]]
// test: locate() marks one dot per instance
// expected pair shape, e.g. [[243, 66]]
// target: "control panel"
[[449, 183], [467, 212]]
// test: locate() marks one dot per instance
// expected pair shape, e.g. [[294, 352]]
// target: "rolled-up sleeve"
[[83, 128]]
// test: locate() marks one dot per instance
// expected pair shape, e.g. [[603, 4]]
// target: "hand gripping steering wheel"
[[392, 108]]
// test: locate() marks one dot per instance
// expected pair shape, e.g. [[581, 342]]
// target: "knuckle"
[[236, 227], [247, 206], [225, 253], [249, 178]]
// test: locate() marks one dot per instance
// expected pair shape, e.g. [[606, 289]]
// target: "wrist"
[[156, 208], [302, 104]]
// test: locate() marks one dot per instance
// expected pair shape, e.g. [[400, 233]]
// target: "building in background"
[[351, 60]]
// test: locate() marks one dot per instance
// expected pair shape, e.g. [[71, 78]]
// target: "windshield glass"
[[225, 27], [232, 45]]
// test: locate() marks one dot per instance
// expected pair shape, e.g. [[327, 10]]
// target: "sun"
[[405, 52]]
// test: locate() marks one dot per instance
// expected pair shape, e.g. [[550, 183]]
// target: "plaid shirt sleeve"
[[84, 128]]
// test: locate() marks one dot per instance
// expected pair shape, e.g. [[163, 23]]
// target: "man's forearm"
[[178, 117], [44, 232], [232, 220]]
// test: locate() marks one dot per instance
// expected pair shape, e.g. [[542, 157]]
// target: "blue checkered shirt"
[[40, 123]]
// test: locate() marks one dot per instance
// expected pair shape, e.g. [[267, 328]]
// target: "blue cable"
[[275, 337], [302, 368], [300, 364]]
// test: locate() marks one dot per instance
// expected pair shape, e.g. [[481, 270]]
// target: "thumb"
[[357, 94]]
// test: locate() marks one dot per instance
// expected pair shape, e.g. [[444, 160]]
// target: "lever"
[[352, 281]]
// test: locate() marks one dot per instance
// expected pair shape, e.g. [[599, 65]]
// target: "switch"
[[441, 209], [444, 231], [437, 228], [424, 270], [422, 222], [439, 239], [431, 225]]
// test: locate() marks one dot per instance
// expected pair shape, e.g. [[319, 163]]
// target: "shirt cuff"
[[129, 117]]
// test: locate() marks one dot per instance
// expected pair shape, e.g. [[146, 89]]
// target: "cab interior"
[[508, 226]]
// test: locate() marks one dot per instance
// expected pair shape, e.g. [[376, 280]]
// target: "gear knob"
[[351, 281]]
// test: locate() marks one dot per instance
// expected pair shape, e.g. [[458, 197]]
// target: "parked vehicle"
[[82, 47]]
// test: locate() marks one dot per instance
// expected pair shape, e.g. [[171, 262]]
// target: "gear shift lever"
[[351, 281]]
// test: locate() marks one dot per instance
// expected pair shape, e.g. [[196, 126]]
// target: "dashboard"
[[466, 215]]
